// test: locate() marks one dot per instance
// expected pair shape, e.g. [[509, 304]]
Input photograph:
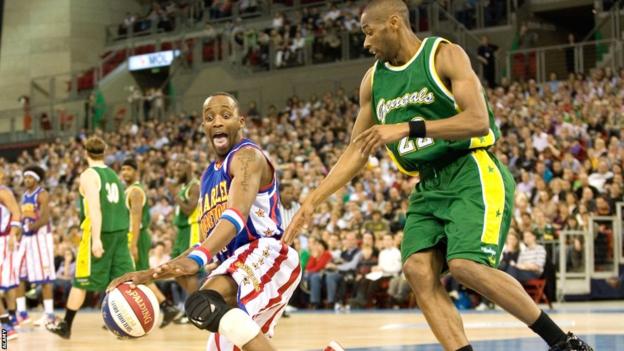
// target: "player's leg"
[[5, 321], [214, 307], [422, 270], [476, 233], [423, 263], [20, 300]]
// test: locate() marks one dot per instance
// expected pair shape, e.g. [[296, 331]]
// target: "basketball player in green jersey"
[[139, 238], [423, 101], [103, 252], [186, 219]]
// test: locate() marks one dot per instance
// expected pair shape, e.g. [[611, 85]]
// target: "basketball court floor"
[[601, 323]]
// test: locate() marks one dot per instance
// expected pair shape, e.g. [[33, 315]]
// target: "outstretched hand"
[[134, 278], [302, 218], [178, 267]]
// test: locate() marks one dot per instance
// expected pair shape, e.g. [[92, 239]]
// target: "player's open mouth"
[[220, 139]]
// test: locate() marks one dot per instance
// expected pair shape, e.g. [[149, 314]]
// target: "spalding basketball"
[[130, 312]]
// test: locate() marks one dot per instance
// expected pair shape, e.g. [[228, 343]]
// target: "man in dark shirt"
[[486, 54]]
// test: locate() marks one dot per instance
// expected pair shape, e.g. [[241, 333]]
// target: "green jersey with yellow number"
[[415, 91], [115, 215]]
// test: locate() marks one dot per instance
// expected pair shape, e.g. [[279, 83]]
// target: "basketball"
[[130, 312]]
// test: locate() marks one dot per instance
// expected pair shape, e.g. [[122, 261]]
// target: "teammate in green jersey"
[[139, 238], [423, 101], [186, 220], [103, 253]]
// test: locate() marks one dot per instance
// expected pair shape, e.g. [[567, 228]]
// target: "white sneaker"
[[45, 319], [482, 307], [337, 307], [333, 346], [290, 309]]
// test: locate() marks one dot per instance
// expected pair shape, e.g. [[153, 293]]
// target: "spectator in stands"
[[531, 260], [340, 273], [377, 224], [319, 258], [602, 175], [389, 265], [511, 251], [486, 53], [65, 273]]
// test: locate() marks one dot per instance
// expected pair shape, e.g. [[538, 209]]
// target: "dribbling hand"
[[134, 278], [178, 267], [377, 136], [302, 218]]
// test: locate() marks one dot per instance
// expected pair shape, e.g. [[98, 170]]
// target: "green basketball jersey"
[[145, 216], [182, 220], [114, 212], [414, 91]]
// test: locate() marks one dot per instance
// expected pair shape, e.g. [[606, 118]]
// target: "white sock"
[[48, 306], [21, 304]]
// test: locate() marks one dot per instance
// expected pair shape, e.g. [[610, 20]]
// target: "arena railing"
[[539, 63]]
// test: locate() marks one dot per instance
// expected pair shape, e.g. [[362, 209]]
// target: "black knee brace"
[[204, 308]]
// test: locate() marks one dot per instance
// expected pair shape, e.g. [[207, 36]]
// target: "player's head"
[[129, 170], [95, 148], [33, 175], [287, 193], [183, 171], [382, 22], [222, 122]]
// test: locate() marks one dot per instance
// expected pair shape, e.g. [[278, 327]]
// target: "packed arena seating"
[[562, 140]]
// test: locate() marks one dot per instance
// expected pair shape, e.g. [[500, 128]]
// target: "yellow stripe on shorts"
[[83, 258], [493, 190]]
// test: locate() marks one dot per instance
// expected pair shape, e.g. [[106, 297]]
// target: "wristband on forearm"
[[200, 255], [235, 217], [417, 129]]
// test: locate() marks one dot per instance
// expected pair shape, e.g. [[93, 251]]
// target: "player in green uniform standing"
[[103, 253], [186, 220], [423, 101], [139, 238]]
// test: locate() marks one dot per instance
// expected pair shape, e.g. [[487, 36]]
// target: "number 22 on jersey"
[[407, 145]]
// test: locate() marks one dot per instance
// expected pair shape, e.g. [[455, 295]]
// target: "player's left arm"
[[453, 66], [246, 170], [44, 211], [135, 202]]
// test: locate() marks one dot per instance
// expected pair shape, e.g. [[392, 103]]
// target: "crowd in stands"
[[562, 141]]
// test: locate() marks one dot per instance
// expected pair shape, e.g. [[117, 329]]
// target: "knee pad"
[[205, 308]]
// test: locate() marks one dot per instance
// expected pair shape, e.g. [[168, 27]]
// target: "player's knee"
[[418, 272], [205, 309], [461, 269], [208, 310]]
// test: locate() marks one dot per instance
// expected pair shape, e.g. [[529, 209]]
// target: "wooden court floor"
[[377, 330]]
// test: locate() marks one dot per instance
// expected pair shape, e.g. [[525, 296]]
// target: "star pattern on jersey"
[[498, 213], [265, 252], [260, 212], [490, 169], [482, 139], [268, 232]]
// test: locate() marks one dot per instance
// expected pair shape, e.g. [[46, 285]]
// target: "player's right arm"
[[90, 184], [8, 199], [350, 163], [187, 207], [135, 204]]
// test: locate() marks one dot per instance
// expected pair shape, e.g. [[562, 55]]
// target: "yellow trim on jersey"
[[484, 141], [194, 235], [434, 73], [406, 64], [83, 257], [401, 169], [493, 189]]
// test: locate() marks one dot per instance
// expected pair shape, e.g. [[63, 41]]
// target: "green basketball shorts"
[[463, 209]]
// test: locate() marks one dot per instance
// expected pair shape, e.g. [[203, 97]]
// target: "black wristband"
[[417, 129]]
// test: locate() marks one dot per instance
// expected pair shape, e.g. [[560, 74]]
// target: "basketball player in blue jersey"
[[247, 292], [36, 248]]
